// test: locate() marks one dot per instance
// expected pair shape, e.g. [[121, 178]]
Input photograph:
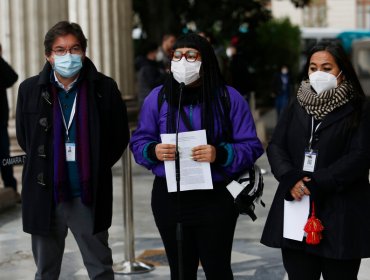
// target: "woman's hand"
[[299, 189], [165, 151], [204, 153]]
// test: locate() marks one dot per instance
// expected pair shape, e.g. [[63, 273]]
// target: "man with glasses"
[[72, 124]]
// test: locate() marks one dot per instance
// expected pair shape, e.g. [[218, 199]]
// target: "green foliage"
[[265, 44], [277, 43], [222, 18], [158, 17]]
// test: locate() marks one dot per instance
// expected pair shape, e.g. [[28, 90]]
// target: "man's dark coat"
[[108, 133]]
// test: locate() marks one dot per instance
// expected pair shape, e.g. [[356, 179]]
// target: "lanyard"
[[313, 130], [70, 117]]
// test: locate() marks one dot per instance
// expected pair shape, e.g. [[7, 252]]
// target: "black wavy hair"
[[345, 65], [63, 28], [341, 59], [214, 96]]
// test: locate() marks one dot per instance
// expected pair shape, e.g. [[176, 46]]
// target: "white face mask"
[[284, 70], [322, 81], [185, 72], [230, 52], [159, 56]]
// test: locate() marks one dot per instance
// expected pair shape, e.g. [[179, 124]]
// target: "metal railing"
[[129, 265]]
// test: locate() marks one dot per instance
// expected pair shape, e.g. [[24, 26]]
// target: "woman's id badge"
[[70, 152], [309, 160]]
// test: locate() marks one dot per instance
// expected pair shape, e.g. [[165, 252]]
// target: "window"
[[363, 14]]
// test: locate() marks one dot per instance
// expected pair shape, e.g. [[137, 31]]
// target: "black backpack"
[[252, 181]]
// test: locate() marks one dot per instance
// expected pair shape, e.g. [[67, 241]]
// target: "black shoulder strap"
[[161, 98], [226, 107], [225, 98]]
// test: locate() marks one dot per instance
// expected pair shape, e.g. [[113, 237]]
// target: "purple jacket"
[[242, 152]]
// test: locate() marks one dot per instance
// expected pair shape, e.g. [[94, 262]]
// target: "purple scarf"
[[62, 190]]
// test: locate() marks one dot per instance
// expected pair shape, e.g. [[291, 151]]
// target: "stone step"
[[8, 198]]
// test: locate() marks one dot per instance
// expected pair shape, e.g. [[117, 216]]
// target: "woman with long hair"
[[208, 216], [320, 155]]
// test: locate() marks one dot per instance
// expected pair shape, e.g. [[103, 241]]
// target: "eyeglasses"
[[190, 56], [74, 50]]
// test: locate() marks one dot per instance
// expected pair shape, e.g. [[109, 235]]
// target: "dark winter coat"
[[149, 76], [109, 136], [340, 183], [7, 78]]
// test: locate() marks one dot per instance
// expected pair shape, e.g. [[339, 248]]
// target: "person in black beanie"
[[208, 105]]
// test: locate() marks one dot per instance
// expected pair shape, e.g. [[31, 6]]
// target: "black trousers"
[[208, 218], [303, 266]]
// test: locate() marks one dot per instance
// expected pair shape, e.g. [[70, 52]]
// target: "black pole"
[[179, 236]]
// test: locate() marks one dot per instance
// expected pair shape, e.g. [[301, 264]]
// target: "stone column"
[[107, 25], [23, 24], [12, 39], [123, 20]]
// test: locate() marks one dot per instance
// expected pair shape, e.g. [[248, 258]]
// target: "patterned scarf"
[[319, 105], [61, 183]]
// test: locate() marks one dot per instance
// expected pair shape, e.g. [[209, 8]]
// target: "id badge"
[[309, 162], [70, 152]]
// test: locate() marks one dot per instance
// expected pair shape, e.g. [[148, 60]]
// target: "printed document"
[[295, 218], [193, 175]]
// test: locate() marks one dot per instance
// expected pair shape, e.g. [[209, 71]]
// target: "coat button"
[[41, 151], [44, 123]]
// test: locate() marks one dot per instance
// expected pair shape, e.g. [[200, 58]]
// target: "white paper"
[[234, 188], [193, 175], [295, 217]]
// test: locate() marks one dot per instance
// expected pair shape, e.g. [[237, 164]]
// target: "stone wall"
[[107, 25]]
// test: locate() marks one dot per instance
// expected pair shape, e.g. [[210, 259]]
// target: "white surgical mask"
[[322, 81], [68, 65], [184, 71], [159, 56], [284, 70], [230, 52]]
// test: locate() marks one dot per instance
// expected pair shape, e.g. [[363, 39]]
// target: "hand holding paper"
[[295, 217], [193, 175]]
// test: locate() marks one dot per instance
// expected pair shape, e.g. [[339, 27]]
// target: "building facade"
[[107, 25], [349, 14]]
